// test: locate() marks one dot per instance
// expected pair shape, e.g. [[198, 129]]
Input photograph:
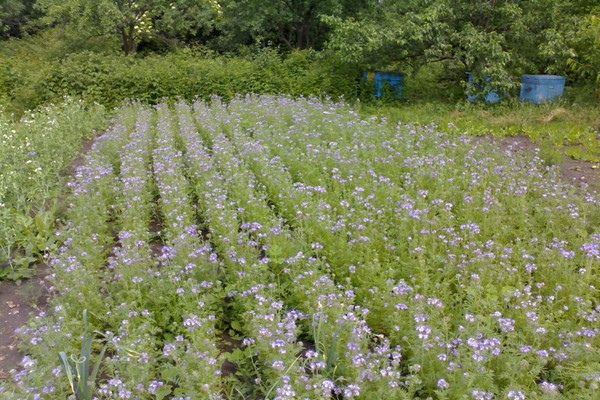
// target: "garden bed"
[[272, 246]]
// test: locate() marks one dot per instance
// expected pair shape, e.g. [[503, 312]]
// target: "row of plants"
[[35, 153], [376, 236], [267, 247]]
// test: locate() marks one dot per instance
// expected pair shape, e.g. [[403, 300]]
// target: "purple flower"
[[442, 384], [481, 395], [515, 395]]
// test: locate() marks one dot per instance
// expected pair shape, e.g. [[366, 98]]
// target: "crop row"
[[279, 248]]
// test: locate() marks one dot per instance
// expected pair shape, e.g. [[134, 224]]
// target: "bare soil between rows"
[[581, 174], [19, 303]]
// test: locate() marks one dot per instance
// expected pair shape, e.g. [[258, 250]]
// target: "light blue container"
[[540, 88], [380, 79], [491, 96]]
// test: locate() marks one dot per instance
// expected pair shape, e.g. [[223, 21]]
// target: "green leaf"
[[62, 356], [170, 374], [162, 392], [508, 291], [235, 324], [40, 223], [236, 355], [331, 356], [94, 374]]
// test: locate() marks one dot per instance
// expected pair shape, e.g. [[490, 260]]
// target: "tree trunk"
[[128, 44]]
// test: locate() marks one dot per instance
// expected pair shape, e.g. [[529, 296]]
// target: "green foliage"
[[34, 154], [9, 10], [584, 60], [440, 82], [292, 24], [22, 84], [571, 44], [498, 39], [99, 18], [490, 38], [566, 128], [14, 17], [303, 73], [110, 79], [270, 245], [131, 21], [25, 65], [188, 21]]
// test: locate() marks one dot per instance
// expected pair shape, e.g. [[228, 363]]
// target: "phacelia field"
[[288, 249]]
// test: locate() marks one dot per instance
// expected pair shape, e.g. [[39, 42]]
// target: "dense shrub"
[[22, 83], [110, 79]]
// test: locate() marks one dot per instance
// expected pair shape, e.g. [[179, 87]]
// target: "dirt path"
[[578, 173], [17, 305]]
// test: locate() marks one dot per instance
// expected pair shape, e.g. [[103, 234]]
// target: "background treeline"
[[108, 50]]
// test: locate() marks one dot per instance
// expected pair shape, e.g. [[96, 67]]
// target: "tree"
[[187, 20], [494, 38], [14, 15], [131, 20], [584, 57], [293, 24], [574, 42], [8, 11]]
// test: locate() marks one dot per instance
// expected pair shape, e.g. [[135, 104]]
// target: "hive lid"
[[542, 79]]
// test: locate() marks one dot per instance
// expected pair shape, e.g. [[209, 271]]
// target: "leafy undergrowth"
[[34, 153], [279, 248]]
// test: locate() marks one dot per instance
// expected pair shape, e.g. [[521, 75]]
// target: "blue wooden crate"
[[540, 88], [491, 96], [380, 79]]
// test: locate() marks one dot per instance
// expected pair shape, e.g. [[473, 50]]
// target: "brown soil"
[[19, 303], [579, 173], [86, 147]]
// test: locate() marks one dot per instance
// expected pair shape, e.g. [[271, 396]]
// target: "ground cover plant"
[[34, 153], [277, 248]]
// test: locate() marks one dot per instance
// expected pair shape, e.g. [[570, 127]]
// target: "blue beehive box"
[[380, 79], [491, 96], [540, 88]]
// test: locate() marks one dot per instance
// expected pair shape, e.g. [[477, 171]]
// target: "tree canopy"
[[132, 20], [495, 38], [293, 24], [489, 38], [14, 15]]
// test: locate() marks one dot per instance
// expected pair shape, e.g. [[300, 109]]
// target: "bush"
[[109, 78], [22, 83]]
